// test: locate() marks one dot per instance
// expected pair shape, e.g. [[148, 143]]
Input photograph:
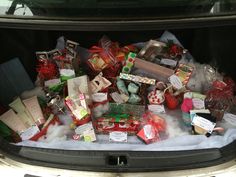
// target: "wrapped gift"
[[99, 83], [100, 104], [60, 59], [184, 73], [135, 110], [104, 55], [79, 99], [139, 79], [126, 91], [79, 114], [79, 85], [220, 97], [158, 49], [46, 68], [157, 95], [129, 63], [67, 60], [117, 122], [203, 124], [152, 126]]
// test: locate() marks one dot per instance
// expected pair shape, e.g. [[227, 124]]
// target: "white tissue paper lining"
[[178, 139]]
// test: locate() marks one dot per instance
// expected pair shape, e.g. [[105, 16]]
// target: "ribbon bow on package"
[[46, 68]]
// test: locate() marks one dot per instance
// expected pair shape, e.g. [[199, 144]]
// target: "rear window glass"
[[98, 9]]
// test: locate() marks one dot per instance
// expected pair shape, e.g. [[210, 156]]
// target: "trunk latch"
[[117, 160]]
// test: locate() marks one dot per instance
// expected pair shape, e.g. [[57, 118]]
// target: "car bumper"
[[9, 167]]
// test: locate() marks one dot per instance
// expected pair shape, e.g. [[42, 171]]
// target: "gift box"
[[79, 113], [124, 91], [135, 110], [103, 55], [67, 58], [79, 99], [46, 68], [203, 124], [152, 126], [117, 122]]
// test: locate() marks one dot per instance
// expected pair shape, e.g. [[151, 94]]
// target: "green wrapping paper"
[[4, 130], [130, 109]]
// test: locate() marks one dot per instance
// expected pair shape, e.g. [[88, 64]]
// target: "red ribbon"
[[47, 70], [157, 122]]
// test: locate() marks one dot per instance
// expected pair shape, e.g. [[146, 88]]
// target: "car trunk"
[[207, 44]]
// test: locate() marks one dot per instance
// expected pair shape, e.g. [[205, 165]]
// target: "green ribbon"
[[57, 87], [118, 116]]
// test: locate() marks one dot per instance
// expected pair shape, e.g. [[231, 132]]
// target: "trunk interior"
[[207, 45]]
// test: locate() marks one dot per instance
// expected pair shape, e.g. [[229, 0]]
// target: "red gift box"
[[148, 134], [152, 126], [129, 124]]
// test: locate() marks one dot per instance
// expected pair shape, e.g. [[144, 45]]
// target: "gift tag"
[[175, 81], [148, 131], [89, 135], [118, 136], [194, 112], [203, 123], [29, 133], [99, 97], [87, 131], [156, 108], [198, 103], [168, 62], [82, 128], [117, 97]]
